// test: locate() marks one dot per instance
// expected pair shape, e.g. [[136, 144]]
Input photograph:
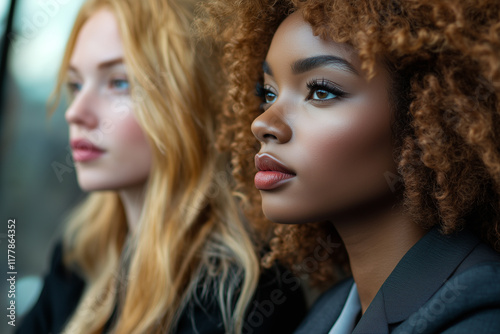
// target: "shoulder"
[[277, 306], [58, 299], [468, 301], [62, 279]]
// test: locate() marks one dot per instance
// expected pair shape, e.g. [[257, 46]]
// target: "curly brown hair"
[[444, 58]]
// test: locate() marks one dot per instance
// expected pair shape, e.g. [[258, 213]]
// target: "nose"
[[82, 111], [272, 125]]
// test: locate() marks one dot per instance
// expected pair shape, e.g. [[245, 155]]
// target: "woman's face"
[[325, 131], [109, 148]]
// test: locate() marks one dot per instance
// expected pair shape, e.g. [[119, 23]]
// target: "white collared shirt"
[[347, 319]]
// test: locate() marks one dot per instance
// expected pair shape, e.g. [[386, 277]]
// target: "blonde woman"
[[159, 245]]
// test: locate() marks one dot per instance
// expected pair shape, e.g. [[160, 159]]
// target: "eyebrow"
[[266, 68], [308, 64], [103, 65]]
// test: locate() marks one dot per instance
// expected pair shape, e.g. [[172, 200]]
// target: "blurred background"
[[37, 180]]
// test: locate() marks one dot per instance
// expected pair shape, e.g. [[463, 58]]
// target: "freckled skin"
[[340, 148], [103, 113]]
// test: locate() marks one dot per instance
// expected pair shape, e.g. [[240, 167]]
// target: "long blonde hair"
[[190, 234]]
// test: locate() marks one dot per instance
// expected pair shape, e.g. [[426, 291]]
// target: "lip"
[[272, 173], [84, 150]]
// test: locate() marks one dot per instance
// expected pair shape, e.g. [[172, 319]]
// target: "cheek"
[[131, 133], [132, 146], [120, 123], [353, 152]]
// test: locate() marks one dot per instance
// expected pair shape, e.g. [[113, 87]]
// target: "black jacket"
[[443, 284], [278, 305]]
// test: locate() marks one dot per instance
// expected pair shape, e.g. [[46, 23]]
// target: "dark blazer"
[[443, 284], [278, 305]]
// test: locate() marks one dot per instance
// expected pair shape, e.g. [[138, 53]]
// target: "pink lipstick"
[[271, 172], [84, 150]]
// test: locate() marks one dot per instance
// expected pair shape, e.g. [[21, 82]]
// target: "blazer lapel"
[[374, 321], [419, 274]]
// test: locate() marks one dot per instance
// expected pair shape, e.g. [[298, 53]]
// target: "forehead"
[[294, 39], [99, 39]]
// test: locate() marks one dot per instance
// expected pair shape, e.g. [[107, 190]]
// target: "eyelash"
[[115, 82], [74, 87], [313, 86], [324, 85], [261, 91]]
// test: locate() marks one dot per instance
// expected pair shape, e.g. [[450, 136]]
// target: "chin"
[[86, 187], [285, 217], [88, 184], [107, 183]]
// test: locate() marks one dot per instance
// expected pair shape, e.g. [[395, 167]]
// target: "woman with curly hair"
[[378, 124], [159, 245]]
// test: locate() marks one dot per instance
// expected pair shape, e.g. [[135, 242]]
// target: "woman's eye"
[[269, 97], [120, 85], [74, 87], [321, 94], [324, 90]]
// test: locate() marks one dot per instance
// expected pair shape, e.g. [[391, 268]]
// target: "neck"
[[133, 202], [375, 245]]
